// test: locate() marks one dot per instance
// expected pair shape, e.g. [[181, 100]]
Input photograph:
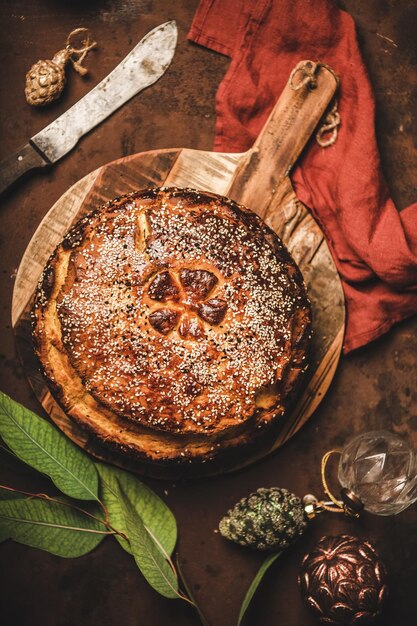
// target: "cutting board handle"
[[282, 139]]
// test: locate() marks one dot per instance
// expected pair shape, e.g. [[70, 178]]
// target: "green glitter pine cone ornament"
[[268, 519], [342, 579]]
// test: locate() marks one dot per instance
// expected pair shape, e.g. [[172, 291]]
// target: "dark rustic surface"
[[374, 388]]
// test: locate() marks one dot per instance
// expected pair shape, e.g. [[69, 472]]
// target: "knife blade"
[[142, 67]]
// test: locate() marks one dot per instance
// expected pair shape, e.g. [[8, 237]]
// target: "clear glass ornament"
[[380, 469]]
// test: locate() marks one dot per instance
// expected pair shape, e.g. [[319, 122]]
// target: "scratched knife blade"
[[142, 67]]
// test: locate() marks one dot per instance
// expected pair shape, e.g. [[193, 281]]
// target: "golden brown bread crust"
[[172, 325]]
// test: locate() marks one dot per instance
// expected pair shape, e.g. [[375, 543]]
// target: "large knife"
[[141, 68]]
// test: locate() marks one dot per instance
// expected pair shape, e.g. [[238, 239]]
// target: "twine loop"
[[327, 133], [87, 44], [307, 69], [304, 75]]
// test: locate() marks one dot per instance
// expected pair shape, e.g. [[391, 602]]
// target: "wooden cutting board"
[[258, 179]]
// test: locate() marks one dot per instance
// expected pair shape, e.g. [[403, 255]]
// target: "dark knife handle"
[[16, 165]]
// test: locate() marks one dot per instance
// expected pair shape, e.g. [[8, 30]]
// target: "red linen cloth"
[[373, 245]]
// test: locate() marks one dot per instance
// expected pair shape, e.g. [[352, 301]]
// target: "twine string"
[[327, 133], [308, 71], [304, 75], [87, 44]]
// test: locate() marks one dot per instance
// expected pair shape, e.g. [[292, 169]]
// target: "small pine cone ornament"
[[268, 519], [45, 80], [343, 581]]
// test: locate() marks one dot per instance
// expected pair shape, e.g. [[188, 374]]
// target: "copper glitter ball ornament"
[[343, 581]]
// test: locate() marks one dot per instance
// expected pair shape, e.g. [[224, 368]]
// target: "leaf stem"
[[182, 596], [171, 564], [162, 549], [44, 496], [105, 511], [204, 621], [36, 523]]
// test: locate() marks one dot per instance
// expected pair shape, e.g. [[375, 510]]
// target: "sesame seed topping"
[[222, 339]]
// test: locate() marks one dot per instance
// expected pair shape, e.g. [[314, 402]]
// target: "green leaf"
[[42, 446], [50, 526], [255, 584], [156, 516], [148, 556]]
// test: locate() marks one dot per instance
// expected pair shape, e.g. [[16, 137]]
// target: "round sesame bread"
[[173, 325]]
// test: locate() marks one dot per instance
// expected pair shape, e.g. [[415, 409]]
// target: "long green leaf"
[[147, 554], [42, 446], [155, 514], [50, 526], [255, 584]]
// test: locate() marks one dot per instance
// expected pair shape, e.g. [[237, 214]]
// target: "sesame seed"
[[163, 380]]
